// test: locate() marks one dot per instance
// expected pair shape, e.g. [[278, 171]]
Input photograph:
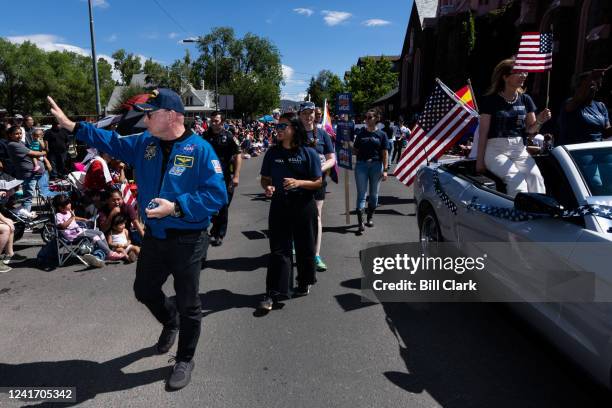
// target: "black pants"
[[292, 219], [179, 254], [58, 162], [397, 152], [219, 221]]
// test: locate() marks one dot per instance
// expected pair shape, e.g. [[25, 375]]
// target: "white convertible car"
[[574, 218]]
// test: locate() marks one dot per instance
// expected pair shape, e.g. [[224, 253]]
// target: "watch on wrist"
[[178, 211]]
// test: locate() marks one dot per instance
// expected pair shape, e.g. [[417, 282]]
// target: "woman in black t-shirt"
[[507, 115], [290, 174]]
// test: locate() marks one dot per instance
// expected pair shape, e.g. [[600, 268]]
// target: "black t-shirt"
[[280, 163], [370, 145], [507, 119], [225, 146], [57, 140]]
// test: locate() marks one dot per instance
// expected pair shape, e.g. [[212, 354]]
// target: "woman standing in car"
[[507, 115], [290, 174]]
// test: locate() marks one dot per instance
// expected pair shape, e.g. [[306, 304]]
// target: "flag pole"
[[469, 81], [552, 33]]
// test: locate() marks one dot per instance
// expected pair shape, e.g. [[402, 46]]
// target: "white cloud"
[[112, 38], [172, 36], [288, 73], [333, 18], [376, 22], [294, 96], [150, 36], [99, 3], [304, 11], [48, 42]]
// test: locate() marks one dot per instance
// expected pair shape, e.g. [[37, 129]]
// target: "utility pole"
[[94, 61]]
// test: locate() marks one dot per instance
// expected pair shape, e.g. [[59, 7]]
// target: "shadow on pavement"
[[342, 229], [480, 355], [253, 235], [239, 264], [222, 299], [257, 197], [89, 377], [390, 200]]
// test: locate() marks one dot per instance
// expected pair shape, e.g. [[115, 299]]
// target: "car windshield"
[[596, 168]]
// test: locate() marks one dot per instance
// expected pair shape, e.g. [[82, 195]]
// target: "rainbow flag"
[[326, 124]]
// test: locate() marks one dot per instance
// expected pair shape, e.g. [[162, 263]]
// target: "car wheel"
[[429, 228]]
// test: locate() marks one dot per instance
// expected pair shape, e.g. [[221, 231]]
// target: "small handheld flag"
[[535, 53]]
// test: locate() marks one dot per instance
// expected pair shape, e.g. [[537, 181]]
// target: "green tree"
[[248, 68], [155, 72], [370, 81], [325, 86], [127, 64]]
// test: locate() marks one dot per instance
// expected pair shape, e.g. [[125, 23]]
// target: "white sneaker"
[[94, 261], [4, 268], [26, 214]]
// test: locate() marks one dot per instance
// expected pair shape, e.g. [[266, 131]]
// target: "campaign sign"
[[344, 104], [345, 131], [345, 156]]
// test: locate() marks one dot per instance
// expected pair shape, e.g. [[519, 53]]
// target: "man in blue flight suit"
[[180, 186]]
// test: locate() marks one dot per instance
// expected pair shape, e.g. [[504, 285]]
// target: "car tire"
[[429, 227]]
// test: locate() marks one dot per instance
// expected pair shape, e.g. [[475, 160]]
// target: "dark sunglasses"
[[281, 126]]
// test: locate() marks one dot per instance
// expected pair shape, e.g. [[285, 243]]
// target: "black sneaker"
[[180, 375], [266, 303], [13, 259], [166, 339], [216, 241], [302, 290]]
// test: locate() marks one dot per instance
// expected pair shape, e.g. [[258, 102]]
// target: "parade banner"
[[344, 136], [344, 104]]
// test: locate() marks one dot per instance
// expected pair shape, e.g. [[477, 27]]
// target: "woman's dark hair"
[[300, 136], [13, 129], [118, 219], [60, 201]]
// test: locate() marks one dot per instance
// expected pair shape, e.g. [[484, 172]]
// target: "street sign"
[[344, 104], [226, 102]]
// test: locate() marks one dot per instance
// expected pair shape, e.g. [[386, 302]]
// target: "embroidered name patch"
[[216, 166], [183, 161]]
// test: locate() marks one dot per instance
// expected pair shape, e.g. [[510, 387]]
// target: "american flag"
[[535, 53], [443, 121]]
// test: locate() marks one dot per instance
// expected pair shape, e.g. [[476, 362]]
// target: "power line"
[[173, 19]]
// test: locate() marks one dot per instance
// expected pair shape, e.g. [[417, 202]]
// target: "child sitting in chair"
[[66, 222], [119, 240]]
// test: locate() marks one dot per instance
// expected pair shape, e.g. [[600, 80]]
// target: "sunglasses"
[[151, 113], [281, 126]]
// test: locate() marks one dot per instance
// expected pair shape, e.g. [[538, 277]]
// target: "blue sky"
[[310, 34]]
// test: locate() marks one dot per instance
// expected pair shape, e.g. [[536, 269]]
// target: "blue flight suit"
[[193, 178]]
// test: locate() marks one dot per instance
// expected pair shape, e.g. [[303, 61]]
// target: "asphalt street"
[[84, 329]]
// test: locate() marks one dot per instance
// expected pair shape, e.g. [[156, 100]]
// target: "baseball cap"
[[18, 116], [306, 105], [162, 98]]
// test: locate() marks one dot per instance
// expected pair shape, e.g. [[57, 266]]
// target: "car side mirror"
[[537, 203]]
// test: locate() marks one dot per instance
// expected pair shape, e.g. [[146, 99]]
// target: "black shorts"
[[319, 195]]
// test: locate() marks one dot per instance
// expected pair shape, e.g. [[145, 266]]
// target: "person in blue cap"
[[180, 186], [321, 141]]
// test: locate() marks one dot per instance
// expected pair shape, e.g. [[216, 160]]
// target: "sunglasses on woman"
[[281, 126]]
